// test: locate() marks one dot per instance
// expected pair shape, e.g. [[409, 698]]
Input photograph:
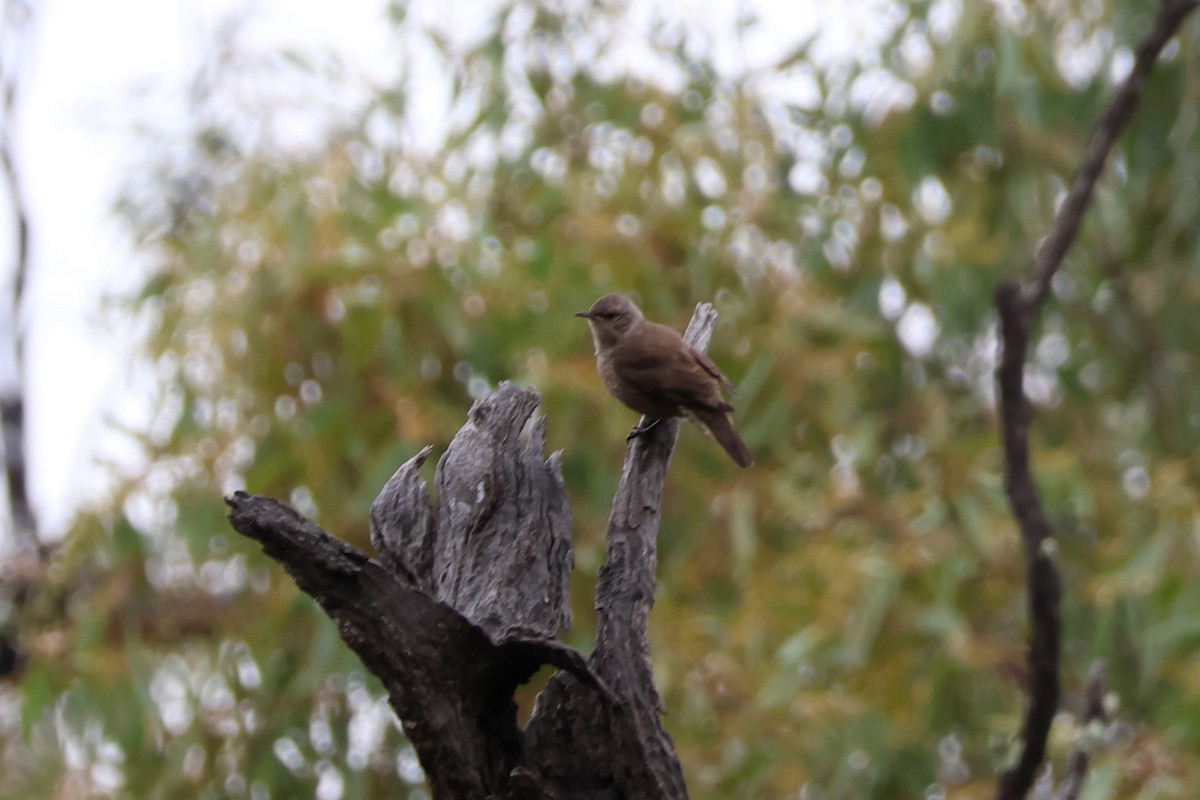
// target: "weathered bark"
[[469, 594], [450, 684]]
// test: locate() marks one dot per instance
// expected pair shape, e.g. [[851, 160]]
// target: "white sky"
[[96, 70]]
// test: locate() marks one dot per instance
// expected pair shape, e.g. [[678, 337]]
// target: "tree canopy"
[[847, 618]]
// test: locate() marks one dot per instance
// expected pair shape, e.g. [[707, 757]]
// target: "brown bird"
[[649, 368]]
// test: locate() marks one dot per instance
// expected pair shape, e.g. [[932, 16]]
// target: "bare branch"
[[1094, 717], [1171, 14], [1041, 572], [1018, 307]]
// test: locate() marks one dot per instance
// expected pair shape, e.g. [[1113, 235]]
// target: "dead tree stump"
[[469, 593]]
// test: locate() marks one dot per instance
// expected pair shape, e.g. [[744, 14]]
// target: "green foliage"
[[843, 620]]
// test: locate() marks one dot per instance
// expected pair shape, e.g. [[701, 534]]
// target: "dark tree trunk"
[[469, 594]]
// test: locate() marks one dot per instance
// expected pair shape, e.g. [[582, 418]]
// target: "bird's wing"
[[713, 370], [679, 372]]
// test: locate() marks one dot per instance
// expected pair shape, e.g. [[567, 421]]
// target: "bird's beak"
[[584, 314]]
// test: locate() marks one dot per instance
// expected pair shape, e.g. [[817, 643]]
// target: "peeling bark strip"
[[1018, 307], [498, 547], [469, 594]]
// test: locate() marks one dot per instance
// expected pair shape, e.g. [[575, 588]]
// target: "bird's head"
[[610, 318]]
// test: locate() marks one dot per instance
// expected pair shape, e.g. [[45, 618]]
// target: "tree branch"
[[1170, 16], [1017, 308], [1092, 722], [1041, 572]]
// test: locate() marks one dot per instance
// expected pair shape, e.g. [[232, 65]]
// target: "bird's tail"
[[717, 423]]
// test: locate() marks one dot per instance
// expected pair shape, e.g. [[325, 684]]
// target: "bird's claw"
[[640, 429]]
